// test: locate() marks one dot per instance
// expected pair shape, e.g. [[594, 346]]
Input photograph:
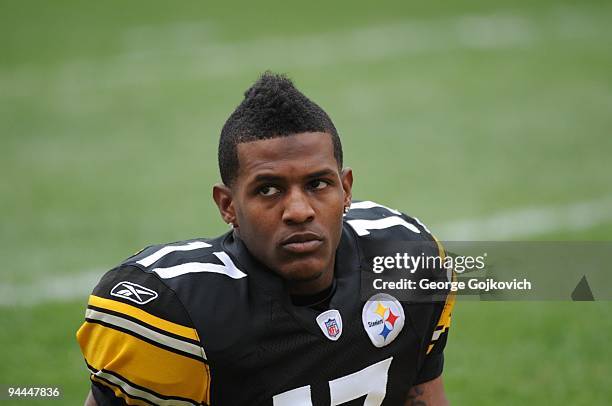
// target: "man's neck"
[[318, 301]]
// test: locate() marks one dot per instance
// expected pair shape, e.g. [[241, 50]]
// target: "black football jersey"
[[202, 322]]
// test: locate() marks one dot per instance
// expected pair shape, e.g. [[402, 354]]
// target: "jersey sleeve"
[[139, 344], [437, 335]]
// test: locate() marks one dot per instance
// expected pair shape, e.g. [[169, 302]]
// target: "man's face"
[[287, 202]]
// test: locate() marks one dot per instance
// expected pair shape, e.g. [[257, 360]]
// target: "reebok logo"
[[133, 292]]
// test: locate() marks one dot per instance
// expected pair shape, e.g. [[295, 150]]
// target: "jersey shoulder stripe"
[[444, 323], [145, 332], [162, 372], [133, 313], [134, 394]]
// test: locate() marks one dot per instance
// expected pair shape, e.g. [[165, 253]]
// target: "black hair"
[[271, 108]]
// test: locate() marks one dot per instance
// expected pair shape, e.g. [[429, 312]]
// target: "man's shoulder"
[[382, 231], [185, 268], [158, 257], [171, 270], [179, 283], [373, 220]]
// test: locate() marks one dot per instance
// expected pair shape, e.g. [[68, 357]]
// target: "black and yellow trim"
[[139, 314], [113, 343], [444, 321], [121, 380]]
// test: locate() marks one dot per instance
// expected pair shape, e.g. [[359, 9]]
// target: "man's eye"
[[318, 184], [268, 191]]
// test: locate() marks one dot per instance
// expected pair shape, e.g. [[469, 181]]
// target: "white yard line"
[[57, 289], [529, 221], [506, 225]]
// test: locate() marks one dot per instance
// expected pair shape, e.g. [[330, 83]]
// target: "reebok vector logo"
[[133, 292]]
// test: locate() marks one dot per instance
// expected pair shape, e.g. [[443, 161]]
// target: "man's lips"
[[302, 243]]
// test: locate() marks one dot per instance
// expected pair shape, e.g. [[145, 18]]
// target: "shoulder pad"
[[176, 259], [376, 221], [387, 238], [131, 286]]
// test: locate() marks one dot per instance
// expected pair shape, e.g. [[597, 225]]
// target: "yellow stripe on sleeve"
[[144, 364], [143, 316], [445, 318]]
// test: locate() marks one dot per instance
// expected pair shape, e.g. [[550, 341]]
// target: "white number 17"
[[370, 381]]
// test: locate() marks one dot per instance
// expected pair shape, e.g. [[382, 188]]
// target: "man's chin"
[[302, 277], [301, 271]]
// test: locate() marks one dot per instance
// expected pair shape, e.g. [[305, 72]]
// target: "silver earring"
[[346, 209]]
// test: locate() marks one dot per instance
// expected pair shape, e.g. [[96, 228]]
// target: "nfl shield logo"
[[332, 327], [330, 323]]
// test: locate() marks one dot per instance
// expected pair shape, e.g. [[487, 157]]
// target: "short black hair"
[[271, 108]]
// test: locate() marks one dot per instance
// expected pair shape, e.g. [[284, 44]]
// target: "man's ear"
[[222, 196], [347, 184]]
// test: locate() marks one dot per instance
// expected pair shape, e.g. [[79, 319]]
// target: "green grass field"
[[110, 115]]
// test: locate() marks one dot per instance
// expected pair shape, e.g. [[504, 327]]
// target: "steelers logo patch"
[[383, 319]]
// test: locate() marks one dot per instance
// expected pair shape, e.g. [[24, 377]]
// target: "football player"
[[273, 311]]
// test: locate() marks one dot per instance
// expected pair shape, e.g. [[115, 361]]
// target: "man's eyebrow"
[[276, 178], [321, 173], [266, 178]]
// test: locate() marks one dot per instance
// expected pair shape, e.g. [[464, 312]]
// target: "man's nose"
[[297, 208]]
